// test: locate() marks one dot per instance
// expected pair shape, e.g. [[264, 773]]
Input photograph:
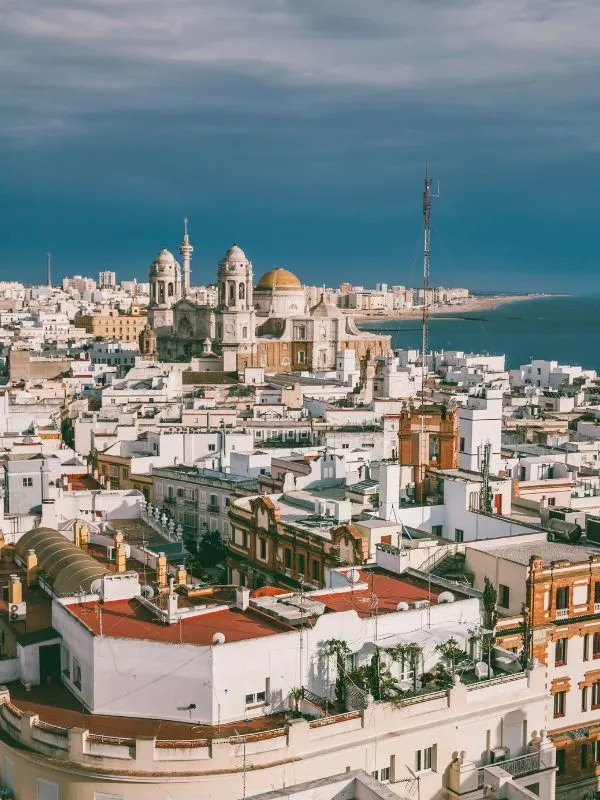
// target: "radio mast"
[[49, 265], [426, 253]]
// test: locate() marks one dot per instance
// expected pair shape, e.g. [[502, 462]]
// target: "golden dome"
[[279, 279]]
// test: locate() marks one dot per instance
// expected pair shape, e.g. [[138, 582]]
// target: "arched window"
[[231, 293], [242, 291], [170, 290], [161, 291]]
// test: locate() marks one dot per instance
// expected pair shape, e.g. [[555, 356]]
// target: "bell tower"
[[235, 309]]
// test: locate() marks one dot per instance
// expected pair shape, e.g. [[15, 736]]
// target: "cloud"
[[65, 59]]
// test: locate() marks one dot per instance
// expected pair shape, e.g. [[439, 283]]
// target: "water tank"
[[218, 638], [564, 531]]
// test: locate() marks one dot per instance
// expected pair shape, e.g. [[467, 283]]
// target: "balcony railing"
[[562, 613], [596, 608]]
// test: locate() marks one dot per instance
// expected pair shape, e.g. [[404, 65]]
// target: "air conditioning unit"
[[17, 612], [498, 754]]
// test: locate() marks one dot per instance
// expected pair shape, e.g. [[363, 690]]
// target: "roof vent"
[[218, 638]]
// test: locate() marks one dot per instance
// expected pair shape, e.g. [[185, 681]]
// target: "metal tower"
[[426, 253], [485, 493]]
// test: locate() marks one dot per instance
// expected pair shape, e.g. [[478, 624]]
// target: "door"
[[49, 664], [498, 503]]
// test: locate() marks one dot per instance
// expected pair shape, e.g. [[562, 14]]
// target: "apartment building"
[[113, 325], [199, 499], [549, 603]]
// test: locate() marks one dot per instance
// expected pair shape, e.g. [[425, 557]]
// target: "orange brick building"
[[428, 437], [561, 629]]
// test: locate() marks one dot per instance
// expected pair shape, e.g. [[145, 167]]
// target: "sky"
[[300, 130]]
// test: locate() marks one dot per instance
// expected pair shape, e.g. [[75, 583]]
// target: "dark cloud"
[[300, 128]]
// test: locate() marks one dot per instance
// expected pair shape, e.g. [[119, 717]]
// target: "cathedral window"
[[231, 293], [244, 332], [170, 290], [242, 291]]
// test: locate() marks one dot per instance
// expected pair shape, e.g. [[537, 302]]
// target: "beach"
[[473, 304]]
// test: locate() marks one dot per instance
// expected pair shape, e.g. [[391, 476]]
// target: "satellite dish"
[[147, 591], [402, 606], [446, 597], [218, 638], [353, 575]]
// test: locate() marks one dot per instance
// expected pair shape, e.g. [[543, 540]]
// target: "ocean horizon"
[[565, 329]]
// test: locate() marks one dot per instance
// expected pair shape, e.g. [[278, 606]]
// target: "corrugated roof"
[[63, 565]]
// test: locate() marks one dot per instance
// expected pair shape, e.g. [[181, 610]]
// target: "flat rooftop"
[[129, 619], [56, 705], [548, 551], [382, 594]]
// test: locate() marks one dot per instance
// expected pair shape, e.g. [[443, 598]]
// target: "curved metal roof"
[[62, 564]]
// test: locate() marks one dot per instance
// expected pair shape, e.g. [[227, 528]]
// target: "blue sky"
[[300, 128]]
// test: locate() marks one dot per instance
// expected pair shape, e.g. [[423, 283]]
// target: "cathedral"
[[265, 325]]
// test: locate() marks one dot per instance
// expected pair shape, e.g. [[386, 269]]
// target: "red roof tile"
[[129, 619]]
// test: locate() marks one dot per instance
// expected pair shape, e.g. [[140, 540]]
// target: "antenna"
[[426, 254], [49, 265], [485, 493]]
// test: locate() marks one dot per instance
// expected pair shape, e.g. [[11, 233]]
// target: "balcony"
[[562, 613], [212, 509], [596, 608]]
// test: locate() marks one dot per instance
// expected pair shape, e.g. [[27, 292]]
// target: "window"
[[27, 482], [597, 592], [257, 698], [560, 703], [459, 535], [301, 564], [76, 673], [245, 539], [287, 558], [384, 775], [462, 444], [437, 530], [584, 756], [434, 448], [562, 597], [596, 645], [262, 548], [560, 652], [561, 761], [301, 357], [503, 596], [260, 697], [596, 694], [586, 647], [212, 448], [46, 790], [424, 760], [584, 693], [316, 571], [596, 750]]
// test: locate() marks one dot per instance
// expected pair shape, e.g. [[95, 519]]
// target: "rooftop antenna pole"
[[49, 265]]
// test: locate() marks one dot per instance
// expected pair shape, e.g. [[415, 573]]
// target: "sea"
[[563, 329]]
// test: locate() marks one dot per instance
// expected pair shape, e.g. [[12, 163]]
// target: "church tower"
[[235, 310], [186, 251], [165, 289]]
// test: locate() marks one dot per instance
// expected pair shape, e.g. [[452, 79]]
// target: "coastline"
[[475, 303]]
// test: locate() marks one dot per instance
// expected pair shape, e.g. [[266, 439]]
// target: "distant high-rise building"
[[107, 279]]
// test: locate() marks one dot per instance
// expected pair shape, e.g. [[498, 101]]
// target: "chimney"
[[242, 598], [120, 553], [81, 536], [161, 570], [15, 590], [31, 566], [172, 601], [181, 575]]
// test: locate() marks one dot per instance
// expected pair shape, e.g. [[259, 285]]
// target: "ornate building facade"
[[268, 325]]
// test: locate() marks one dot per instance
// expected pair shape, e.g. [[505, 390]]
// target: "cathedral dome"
[[278, 279], [164, 262], [235, 255]]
